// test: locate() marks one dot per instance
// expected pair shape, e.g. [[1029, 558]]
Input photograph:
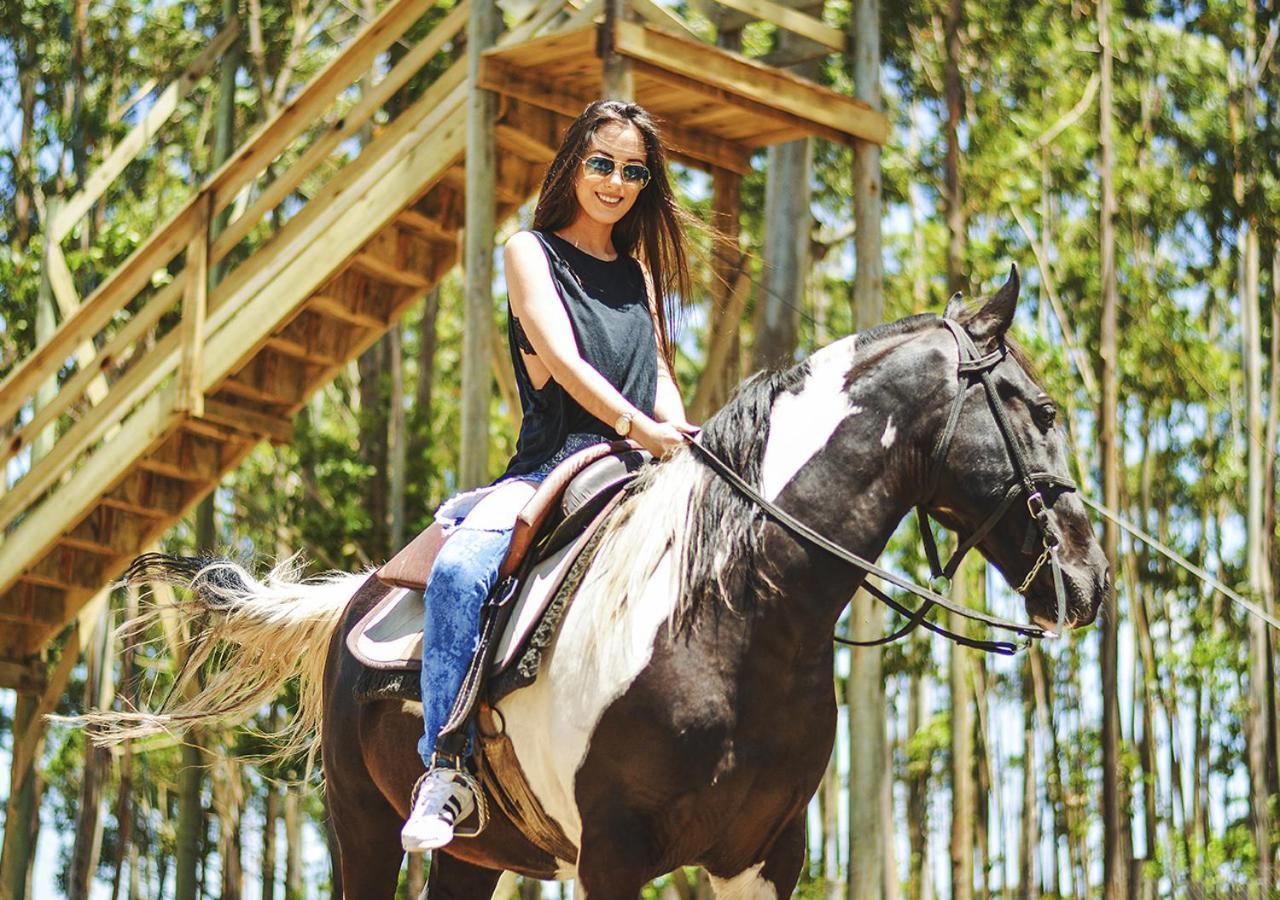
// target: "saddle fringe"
[[249, 637]]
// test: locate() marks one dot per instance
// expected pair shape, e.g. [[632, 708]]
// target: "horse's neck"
[[854, 490]]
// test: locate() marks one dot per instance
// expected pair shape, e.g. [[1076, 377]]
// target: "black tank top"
[[609, 311]]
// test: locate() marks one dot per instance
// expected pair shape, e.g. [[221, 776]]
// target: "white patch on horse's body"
[[801, 423], [746, 885], [412, 708], [890, 433], [605, 641]]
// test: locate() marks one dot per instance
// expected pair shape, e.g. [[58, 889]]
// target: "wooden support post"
[[481, 165], [618, 81], [195, 298]]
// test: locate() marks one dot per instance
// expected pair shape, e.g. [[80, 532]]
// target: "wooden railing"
[[137, 336]]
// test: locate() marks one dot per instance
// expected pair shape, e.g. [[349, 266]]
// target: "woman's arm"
[[536, 303]]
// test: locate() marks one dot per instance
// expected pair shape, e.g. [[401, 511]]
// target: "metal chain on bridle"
[[973, 367]]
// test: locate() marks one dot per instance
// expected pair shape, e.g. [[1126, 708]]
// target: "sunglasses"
[[602, 166]]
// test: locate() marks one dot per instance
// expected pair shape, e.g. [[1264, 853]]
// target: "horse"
[[685, 713]]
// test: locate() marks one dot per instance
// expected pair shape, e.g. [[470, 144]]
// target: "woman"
[[590, 288]]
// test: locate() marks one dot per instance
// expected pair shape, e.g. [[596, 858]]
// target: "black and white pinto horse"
[[685, 713]]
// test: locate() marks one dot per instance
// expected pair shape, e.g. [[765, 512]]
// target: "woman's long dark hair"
[[654, 225]]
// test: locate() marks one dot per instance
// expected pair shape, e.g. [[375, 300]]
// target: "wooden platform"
[[381, 233]]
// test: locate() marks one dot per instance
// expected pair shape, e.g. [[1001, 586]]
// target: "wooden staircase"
[[172, 385]]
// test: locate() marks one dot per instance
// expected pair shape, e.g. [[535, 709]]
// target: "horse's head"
[[982, 465]]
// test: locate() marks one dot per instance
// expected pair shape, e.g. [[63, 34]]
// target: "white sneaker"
[[441, 800]]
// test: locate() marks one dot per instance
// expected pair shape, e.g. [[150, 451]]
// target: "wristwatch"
[[623, 425]]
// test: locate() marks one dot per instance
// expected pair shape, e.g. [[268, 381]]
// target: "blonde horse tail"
[[248, 637]]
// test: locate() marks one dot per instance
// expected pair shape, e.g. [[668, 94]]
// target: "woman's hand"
[[660, 438]]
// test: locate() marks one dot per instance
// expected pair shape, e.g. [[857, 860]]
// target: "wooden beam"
[[772, 88], [523, 145], [498, 74], [142, 133], [26, 676], [763, 112], [134, 508], [382, 270], [249, 421], [195, 301], [33, 603], [334, 308], [426, 227], [291, 348], [663, 19], [792, 20]]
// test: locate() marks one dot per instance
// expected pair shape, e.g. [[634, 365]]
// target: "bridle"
[[973, 366]]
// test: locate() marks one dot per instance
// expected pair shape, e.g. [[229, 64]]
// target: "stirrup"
[[457, 767]]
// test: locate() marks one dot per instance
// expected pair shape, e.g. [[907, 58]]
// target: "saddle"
[[550, 533]]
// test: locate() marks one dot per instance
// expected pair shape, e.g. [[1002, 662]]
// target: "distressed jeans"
[[460, 580]]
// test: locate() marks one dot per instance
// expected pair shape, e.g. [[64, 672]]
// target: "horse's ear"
[[993, 320], [955, 306]]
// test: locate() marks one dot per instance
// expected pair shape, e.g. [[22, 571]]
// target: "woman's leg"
[[460, 579]]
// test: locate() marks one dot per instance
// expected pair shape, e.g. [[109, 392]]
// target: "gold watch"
[[623, 425]]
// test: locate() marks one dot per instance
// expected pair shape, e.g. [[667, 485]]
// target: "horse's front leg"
[[454, 879], [773, 877]]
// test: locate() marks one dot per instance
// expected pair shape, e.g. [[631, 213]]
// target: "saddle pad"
[[389, 636]]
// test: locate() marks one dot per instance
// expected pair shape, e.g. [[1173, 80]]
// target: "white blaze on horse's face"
[[802, 422]]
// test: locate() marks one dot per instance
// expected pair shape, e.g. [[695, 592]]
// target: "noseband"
[[973, 367]]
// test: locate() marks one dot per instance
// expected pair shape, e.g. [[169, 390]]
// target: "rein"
[[973, 366]]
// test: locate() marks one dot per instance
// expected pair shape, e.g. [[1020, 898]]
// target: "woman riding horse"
[[589, 289]]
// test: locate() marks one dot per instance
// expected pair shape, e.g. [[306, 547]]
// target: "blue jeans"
[[461, 577]]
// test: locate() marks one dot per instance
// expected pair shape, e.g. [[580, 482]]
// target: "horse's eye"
[[1046, 413]]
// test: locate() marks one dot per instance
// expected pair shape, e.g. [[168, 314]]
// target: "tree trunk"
[[98, 693], [1029, 843], [953, 88], [963, 802], [270, 818], [477, 377], [373, 441], [420, 440], [786, 240], [829, 840], [396, 441], [228, 800], [920, 878], [22, 820], [870, 831], [1114, 864], [124, 796], [293, 842]]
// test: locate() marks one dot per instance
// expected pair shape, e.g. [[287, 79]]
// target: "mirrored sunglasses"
[[603, 167]]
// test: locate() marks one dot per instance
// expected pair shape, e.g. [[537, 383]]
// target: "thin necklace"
[[580, 250]]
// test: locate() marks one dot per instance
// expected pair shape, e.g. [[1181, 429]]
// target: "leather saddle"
[[550, 532]]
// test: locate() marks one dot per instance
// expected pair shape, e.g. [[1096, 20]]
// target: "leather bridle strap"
[[794, 525]]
